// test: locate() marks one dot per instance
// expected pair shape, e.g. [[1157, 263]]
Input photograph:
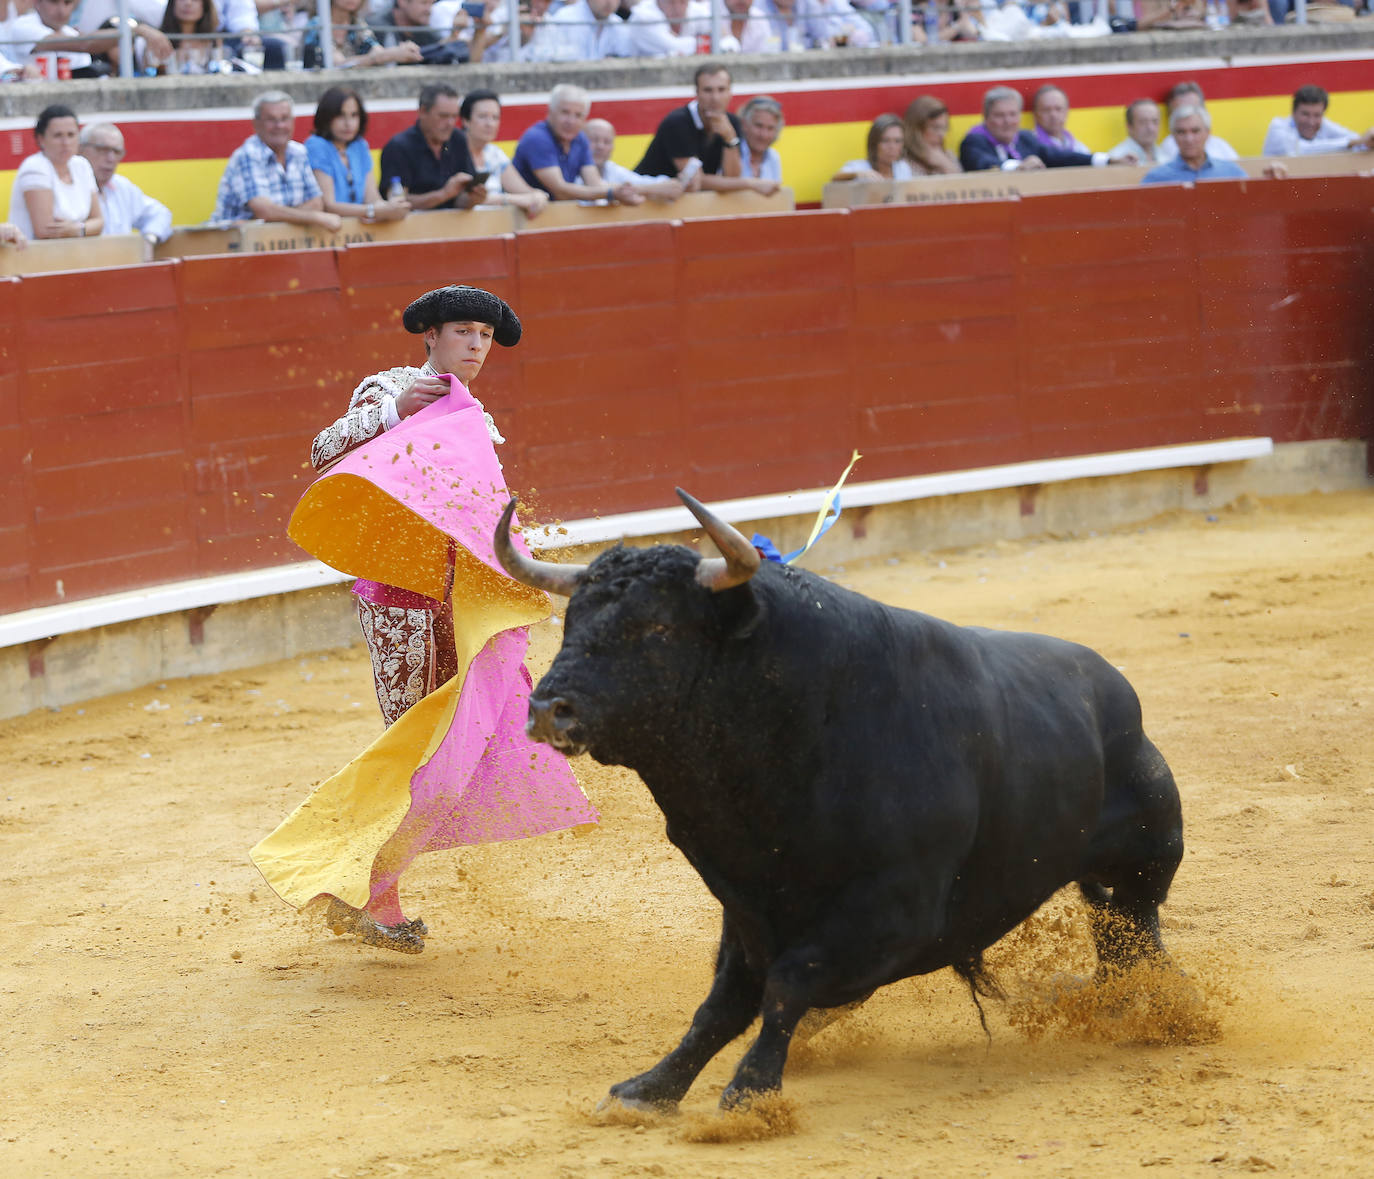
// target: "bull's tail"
[[981, 985]]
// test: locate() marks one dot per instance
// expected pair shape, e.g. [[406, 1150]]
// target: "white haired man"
[[127, 208], [1183, 94], [556, 156], [1192, 127], [269, 175]]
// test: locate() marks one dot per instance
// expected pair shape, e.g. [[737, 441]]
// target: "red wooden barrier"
[[155, 422]]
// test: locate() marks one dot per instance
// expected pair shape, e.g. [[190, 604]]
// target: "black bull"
[[870, 793]]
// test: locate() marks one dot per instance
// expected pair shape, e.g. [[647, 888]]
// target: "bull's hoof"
[[642, 1095], [613, 1101], [735, 1100]]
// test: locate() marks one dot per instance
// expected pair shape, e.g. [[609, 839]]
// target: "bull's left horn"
[[739, 559], [544, 575]]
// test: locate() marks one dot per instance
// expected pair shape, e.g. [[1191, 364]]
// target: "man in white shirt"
[[1190, 94], [667, 28], [1141, 145], [1309, 132], [47, 29], [585, 30], [601, 135], [127, 208]]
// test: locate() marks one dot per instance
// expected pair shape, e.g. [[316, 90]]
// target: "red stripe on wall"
[[216, 137]]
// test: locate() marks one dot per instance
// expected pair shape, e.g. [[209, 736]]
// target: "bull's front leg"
[[728, 1010]]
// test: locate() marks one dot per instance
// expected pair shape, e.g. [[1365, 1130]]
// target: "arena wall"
[[157, 418]]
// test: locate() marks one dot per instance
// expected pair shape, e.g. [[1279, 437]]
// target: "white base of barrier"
[[49, 621]]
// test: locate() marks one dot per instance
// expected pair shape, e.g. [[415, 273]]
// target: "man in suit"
[[1000, 142]]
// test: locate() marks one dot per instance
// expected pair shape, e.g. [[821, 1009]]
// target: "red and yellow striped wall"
[[179, 157]]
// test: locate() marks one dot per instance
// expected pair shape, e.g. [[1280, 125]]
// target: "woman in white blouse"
[[55, 193], [886, 154], [480, 114]]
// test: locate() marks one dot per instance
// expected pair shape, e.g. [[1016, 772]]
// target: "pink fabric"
[[487, 781]]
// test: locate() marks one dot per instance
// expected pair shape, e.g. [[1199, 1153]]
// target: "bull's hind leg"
[[1135, 855], [728, 1010]]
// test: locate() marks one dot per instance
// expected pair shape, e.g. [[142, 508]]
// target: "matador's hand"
[[422, 391]]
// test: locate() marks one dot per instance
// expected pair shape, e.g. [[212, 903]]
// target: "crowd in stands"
[[80, 38], [449, 158], [903, 148]]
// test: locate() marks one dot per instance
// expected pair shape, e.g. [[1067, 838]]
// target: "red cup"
[[64, 69], [703, 42]]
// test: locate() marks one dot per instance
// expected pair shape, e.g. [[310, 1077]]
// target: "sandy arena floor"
[[166, 1015]]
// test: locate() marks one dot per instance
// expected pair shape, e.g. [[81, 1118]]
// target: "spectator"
[[54, 192], [189, 25], [355, 44], [408, 20], [342, 160], [1141, 145], [582, 30], [269, 176], [601, 137], [1190, 94], [667, 28], [1050, 106], [480, 114], [555, 155], [886, 159], [48, 21], [927, 124], [1192, 126], [807, 24], [1307, 131], [491, 39], [431, 157], [239, 19], [761, 123], [1170, 14], [124, 207], [705, 130], [999, 142]]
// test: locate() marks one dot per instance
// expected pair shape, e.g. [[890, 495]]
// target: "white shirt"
[[1217, 148], [1129, 147], [1283, 138], [650, 34], [901, 170], [94, 13], [574, 34], [28, 30], [72, 202], [128, 209], [495, 161], [235, 16]]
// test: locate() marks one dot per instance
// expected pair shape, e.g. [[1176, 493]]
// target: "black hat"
[[458, 303]]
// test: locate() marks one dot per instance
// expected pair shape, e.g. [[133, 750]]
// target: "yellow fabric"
[[328, 844]]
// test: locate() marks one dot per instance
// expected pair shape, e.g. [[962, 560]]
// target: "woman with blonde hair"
[[927, 124]]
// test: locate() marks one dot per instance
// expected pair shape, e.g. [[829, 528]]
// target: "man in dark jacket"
[[999, 142]]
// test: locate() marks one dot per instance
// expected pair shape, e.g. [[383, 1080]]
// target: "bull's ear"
[[740, 611]]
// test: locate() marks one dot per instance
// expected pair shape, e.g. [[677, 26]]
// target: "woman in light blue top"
[[342, 161]]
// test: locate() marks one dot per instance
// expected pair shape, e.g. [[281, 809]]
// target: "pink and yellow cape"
[[457, 767]]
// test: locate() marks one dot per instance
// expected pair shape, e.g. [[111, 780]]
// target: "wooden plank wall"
[[157, 420]]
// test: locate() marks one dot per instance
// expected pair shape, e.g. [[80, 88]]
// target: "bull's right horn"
[[739, 559], [543, 575]]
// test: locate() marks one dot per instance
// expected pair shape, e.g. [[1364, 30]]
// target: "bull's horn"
[[544, 575], [739, 561]]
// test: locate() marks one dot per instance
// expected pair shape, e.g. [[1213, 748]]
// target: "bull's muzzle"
[[553, 721]]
